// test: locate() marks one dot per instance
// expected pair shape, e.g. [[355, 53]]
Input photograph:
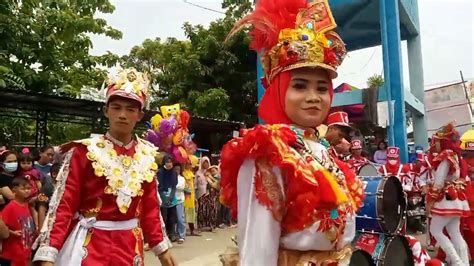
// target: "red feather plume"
[[268, 19]]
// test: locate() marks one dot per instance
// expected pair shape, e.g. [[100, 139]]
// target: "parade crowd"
[[189, 194]]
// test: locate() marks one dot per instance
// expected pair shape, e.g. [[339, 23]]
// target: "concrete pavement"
[[199, 251]]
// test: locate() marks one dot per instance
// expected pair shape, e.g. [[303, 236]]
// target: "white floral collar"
[[125, 174]]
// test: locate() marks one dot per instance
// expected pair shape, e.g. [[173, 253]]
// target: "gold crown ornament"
[[294, 34], [128, 83]]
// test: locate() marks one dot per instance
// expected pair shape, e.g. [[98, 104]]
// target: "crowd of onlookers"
[[190, 198], [27, 180]]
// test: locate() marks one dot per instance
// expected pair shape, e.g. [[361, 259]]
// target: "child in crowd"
[[179, 198], [17, 216], [25, 163], [46, 193]]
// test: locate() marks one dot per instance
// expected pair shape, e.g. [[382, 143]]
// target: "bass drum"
[[381, 250], [384, 206], [368, 170]]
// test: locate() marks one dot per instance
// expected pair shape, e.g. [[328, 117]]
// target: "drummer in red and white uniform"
[[357, 160], [338, 134], [393, 167], [414, 171], [447, 196]]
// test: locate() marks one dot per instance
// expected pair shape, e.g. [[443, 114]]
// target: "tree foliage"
[[46, 43], [209, 76], [375, 81]]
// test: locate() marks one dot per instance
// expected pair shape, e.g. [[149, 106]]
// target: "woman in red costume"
[[295, 206], [467, 223], [447, 195], [105, 205]]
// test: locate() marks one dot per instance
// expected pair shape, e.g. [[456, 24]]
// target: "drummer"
[[357, 160], [338, 135]]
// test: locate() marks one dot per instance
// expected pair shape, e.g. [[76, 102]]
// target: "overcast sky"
[[446, 30]]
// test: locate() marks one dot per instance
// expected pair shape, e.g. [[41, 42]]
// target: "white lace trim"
[[45, 252]]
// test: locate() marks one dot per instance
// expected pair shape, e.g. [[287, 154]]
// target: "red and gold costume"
[[105, 204], [446, 198], [295, 205], [467, 223]]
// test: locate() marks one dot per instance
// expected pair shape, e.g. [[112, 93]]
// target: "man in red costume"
[[357, 160], [105, 205]]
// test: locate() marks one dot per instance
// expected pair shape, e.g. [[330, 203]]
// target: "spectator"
[[380, 155], [168, 179], [45, 195], [190, 198], [17, 247], [25, 161], [44, 163], [179, 198], [208, 204], [201, 180], [8, 166]]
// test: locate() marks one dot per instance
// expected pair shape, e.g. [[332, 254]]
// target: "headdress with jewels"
[[294, 34], [128, 83], [447, 132]]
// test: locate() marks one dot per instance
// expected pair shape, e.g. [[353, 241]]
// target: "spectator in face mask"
[[8, 166]]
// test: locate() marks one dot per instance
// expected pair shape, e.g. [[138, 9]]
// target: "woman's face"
[[382, 146], [10, 159], [205, 165], [307, 99], [46, 156]]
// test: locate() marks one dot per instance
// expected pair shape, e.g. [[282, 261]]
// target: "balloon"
[[153, 137], [169, 110], [194, 160], [178, 137], [168, 126], [179, 154], [155, 121], [148, 125], [184, 119]]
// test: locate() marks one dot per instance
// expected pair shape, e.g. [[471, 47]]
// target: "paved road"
[[199, 251], [205, 250]]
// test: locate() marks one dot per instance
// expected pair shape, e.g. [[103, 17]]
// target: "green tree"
[[375, 81], [208, 76], [46, 43]]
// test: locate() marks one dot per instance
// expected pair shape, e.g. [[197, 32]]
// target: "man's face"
[[356, 152], [123, 114], [335, 135]]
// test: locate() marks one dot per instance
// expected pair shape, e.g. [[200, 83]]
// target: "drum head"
[[368, 170], [393, 205], [361, 258], [396, 252]]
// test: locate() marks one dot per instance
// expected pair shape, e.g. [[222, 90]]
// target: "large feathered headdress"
[[294, 34]]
